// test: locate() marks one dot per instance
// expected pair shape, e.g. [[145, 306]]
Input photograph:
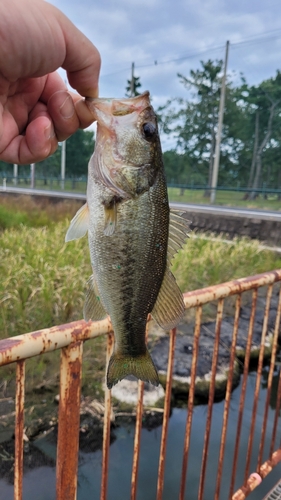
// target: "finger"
[[63, 114], [85, 116], [82, 60], [38, 143]]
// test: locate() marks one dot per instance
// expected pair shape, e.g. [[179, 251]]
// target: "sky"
[[166, 37]]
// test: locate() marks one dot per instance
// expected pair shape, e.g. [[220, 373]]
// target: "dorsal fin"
[[178, 232]]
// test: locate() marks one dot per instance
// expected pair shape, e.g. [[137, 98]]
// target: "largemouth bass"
[[132, 233]]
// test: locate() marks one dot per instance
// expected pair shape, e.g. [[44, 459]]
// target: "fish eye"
[[149, 130]]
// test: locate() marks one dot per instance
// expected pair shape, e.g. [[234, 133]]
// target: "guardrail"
[[70, 338], [80, 183]]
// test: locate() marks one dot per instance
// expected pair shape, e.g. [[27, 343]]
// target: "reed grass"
[[43, 279], [34, 211], [206, 261]]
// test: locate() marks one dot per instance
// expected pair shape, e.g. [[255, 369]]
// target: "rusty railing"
[[70, 338]]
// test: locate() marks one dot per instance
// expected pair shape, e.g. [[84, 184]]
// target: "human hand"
[[36, 110]]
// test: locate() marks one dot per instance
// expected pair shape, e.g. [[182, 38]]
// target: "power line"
[[268, 35]]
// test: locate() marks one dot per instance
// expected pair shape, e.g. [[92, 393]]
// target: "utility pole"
[[32, 175], [218, 138], [63, 147], [15, 176], [133, 80], [62, 159]]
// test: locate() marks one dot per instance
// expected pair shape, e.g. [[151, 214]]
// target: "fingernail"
[[67, 108], [49, 131]]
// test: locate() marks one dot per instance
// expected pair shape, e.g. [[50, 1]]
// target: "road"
[[211, 209]]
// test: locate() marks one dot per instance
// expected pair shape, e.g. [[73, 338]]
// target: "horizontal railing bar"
[[49, 339], [199, 297], [255, 479], [32, 344]]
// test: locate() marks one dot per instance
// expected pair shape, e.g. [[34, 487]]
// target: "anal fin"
[[169, 307], [93, 308]]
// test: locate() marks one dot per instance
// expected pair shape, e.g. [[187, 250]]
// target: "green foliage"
[[43, 278], [177, 169], [11, 218], [79, 149], [33, 213], [204, 262], [130, 92], [250, 155]]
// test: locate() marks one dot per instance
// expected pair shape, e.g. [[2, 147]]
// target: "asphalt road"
[[214, 209]]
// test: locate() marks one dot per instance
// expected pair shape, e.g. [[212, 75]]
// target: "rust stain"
[[19, 425], [69, 418], [8, 344], [37, 334], [166, 416]]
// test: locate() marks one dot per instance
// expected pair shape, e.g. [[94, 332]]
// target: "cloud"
[[177, 35]]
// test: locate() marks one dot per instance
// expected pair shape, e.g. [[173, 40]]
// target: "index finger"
[[82, 60]]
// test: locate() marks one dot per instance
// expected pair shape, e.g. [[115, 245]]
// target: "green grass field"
[[225, 198]]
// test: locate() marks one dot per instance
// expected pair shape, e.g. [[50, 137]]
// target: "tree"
[[79, 149], [267, 100], [194, 120], [251, 135], [133, 85]]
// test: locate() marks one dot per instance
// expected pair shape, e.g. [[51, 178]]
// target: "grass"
[[207, 261], [34, 212], [43, 278], [225, 198], [70, 185]]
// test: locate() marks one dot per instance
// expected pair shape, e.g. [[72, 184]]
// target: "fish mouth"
[[102, 107]]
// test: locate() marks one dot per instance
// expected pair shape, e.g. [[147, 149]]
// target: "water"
[[39, 484]]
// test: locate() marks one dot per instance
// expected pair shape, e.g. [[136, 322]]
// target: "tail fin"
[[142, 367]]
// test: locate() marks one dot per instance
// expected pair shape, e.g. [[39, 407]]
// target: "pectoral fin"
[[178, 232], [169, 307], [110, 220], [79, 224], [93, 308]]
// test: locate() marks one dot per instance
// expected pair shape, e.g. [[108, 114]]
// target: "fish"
[[133, 235]]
